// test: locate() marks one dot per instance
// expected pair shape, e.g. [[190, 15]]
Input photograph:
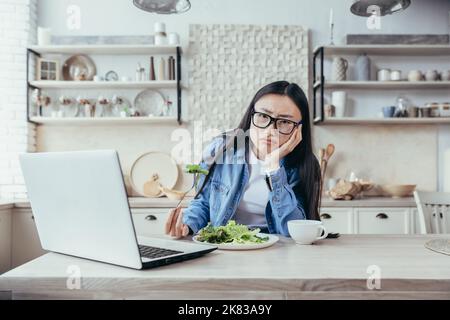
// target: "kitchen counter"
[[136, 202], [330, 269]]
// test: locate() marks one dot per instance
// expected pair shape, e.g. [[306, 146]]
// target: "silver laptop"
[[81, 208]]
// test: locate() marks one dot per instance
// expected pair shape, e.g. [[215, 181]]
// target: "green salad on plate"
[[230, 233]]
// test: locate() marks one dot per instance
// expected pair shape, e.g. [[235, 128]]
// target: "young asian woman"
[[261, 174]]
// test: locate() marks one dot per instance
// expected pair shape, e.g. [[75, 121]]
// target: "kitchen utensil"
[[439, 245], [306, 231], [445, 75], [151, 163], [388, 112], [431, 75], [339, 101], [172, 194], [150, 103], [339, 69], [348, 190], [413, 111], [119, 104], [434, 109], [366, 8], [398, 190], [163, 6], [362, 68], [330, 110], [160, 34], [111, 76], [384, 75], [396, 75], [329, 151], [162, 69], [402, 105], [415, 75], [152, 188], [425, 112], [445, 109], [152, 69], [245, 246], [79, 68], [68, 106]]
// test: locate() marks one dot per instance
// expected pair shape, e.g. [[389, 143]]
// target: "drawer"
[[383, 220], [149, 222], [337, 219]]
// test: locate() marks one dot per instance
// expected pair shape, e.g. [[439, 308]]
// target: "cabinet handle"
[[325, 216], [150, 217], [32, 217], [382, 216], [441, 215]]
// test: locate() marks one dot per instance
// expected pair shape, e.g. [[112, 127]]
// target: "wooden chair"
[[434, 211]]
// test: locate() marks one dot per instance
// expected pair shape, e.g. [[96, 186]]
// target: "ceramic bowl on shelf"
[[398, 190]]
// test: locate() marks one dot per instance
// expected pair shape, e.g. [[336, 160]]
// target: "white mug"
[[339, 101], [306, 231], [396, 75], [174, 39], [384, 75]]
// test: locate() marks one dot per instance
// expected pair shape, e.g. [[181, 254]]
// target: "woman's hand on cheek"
[[272, 161]]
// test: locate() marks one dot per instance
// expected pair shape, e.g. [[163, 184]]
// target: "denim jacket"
[[219, 199]]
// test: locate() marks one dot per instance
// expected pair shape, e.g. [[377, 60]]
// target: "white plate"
[[150, 163], [250, 246], [150, 103]]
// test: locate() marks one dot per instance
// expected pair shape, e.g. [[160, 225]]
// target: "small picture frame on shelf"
[[47, 69]]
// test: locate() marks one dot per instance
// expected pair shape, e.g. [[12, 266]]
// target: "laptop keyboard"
[[154, 252]]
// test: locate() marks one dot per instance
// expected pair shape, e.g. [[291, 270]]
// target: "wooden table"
[[332, 268]]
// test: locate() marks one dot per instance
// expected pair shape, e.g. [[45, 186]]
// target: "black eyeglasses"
[[263, 120]]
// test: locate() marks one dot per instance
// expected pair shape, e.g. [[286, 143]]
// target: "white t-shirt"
[[252, 207]]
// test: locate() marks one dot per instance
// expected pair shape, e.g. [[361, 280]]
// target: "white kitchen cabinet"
[[26, 245], [337, 219], [150, 221], [5, 240], [383, 220]]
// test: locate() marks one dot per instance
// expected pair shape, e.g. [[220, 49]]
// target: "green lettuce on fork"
[[230, 233]]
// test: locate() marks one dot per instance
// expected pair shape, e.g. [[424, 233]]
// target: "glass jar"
[[445, 109], [434, 109]]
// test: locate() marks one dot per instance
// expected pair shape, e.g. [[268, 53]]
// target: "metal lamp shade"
[[364, 7], [163, 6]]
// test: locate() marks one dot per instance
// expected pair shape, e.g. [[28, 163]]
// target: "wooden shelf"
[[385, 84], [105, 49], [50, 84], [104, 121], [418, 50], [366, 121]]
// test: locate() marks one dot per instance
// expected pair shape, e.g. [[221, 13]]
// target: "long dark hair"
[[302, 157]]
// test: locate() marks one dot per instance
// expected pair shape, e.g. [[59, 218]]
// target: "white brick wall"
[[18, 24]]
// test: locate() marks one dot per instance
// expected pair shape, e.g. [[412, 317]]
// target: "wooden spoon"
[[329, 151]]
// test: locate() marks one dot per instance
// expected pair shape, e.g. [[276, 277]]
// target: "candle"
[[44, 36], [331, 16]]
